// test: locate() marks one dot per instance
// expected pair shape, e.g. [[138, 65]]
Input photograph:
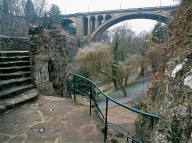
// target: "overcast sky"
[[76, 6]]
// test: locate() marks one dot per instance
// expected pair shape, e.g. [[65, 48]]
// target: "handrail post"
[[127, 140], [90, 96], [67, 89], [141, 133], [74, 89], [106, 126], [152, 121]]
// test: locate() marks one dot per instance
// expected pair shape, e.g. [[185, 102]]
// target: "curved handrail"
[[92, 94], [123, 105]]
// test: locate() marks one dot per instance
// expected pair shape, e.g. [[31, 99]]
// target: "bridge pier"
[[89, 27], [96, 24]]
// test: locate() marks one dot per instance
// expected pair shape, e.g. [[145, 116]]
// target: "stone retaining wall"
[[14, 44]]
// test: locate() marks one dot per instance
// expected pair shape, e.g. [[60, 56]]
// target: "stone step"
[[14, 91], [14, 69], [21, 99], [14, 53], [15, 58], [14, 63], [5, 84], [14, 75]]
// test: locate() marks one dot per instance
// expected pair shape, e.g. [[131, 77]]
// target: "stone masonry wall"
[[14, 44], [48, 60]]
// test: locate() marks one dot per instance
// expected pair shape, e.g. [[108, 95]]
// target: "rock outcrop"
[[171, 95]]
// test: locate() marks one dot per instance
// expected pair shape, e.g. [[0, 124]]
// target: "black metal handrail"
[[92, 86]]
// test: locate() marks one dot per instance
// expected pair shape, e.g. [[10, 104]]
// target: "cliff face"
[[171, 95], [172, 100]]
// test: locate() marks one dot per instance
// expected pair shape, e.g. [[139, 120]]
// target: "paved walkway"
[[50, 120], [134, 90]]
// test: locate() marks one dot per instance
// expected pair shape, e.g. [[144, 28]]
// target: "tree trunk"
[[122, 88], [124, 91], [115, 84], [117, 80], [126, 80]]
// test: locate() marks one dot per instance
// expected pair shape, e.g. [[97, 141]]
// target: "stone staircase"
[[16, 86]]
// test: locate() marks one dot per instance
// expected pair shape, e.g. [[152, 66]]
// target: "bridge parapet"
[[164, 8]]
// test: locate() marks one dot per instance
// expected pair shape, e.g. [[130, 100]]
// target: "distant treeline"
[[16, 15]]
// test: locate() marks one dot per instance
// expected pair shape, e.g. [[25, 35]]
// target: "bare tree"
[[130, 66], [130, 45], [41, 7], [12, 21], [99, 59], [35, 11], [154, 57], [15, 16], [141, 44], [105, 37], [30, 13], [125, 35]]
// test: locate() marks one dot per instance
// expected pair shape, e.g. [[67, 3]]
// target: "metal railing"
[[86, 87]]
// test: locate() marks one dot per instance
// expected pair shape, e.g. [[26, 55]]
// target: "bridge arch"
[[107, 17], [152, 16], [100, 19], [92, 20], [66, 22], [85, 24]]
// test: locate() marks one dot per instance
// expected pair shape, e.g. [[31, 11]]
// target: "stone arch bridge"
[[91, 24]]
